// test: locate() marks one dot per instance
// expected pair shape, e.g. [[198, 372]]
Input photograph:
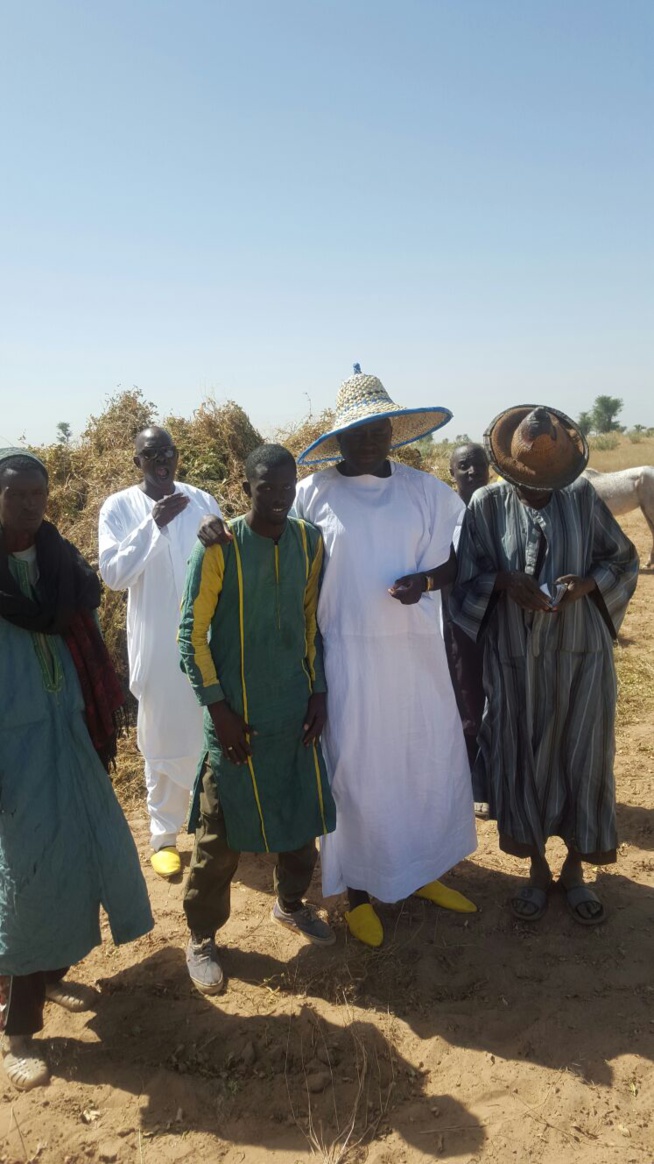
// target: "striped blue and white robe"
[[547, 736]]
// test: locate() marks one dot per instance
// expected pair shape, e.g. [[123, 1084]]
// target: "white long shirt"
[[393, 741], [150, 563]]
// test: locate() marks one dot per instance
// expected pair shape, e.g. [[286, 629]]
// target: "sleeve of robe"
[[313, 636], [614, 565], [204, 582], [444, 508], [473, 596], [124, 553]]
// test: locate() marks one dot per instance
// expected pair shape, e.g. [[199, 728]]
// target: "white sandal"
[[24, 1064], [71, 995]]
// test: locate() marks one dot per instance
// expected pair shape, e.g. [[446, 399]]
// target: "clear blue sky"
[[244, 197]]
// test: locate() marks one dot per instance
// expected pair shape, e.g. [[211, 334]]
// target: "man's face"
[[470, 470], [157, 457], [272, 492], [366, 447], [23, 498]]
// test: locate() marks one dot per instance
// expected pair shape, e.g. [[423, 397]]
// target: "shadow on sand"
[[555, 994]]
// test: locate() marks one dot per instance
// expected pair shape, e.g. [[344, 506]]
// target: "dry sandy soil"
[[466, 1039]]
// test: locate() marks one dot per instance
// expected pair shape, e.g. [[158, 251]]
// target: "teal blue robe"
[[65, 846]]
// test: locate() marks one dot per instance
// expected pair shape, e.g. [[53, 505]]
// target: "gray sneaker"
[[203, 966], [305, 921]]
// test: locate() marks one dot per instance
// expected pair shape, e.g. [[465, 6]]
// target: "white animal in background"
[[626, 490]]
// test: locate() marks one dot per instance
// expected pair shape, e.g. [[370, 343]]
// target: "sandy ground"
[[469, 1039]]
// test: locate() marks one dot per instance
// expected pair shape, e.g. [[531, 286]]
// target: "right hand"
[[524, 591], [168, 508], [232, 732], [214, 532]]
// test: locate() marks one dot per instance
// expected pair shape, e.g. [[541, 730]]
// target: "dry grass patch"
[[635, 686], [625, 453]]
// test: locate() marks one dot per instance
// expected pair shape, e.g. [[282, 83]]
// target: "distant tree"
[[585, 422], [64, 433], [604, 413]]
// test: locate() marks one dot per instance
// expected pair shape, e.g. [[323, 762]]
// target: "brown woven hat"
[[362, 399], [536, 447]]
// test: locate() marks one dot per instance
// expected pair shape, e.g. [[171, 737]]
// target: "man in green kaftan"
[[250, 646]]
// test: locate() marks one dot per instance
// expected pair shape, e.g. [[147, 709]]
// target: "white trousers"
[[168, 805]]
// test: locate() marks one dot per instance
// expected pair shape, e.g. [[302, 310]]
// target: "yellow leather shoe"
[[364, 925], [439, 894], [166, 862]]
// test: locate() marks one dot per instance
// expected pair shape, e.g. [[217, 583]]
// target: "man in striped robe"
[[545, 574]]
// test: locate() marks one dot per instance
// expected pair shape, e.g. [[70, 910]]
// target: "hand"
[[524, 591], [168, 508], [408, 590], [232, 732], [315, 718], [214, 532], [576, 588]]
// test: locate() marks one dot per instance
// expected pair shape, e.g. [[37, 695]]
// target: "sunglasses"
[[151, 454]]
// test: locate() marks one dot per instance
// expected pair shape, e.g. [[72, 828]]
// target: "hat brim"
[[409, 424], [497, 442]]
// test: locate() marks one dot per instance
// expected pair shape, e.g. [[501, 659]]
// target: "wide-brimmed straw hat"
[[528, 451], [362, 399]]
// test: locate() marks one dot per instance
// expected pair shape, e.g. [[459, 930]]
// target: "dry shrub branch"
[[214, 443]]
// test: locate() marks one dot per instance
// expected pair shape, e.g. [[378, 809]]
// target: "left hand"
[[214, 532], [409, 590], [315, 718], [577, 587]]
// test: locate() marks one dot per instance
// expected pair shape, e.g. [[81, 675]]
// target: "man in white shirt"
[[146, 534]]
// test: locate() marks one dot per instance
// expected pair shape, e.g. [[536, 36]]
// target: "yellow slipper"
[[166, 862], [439, 894], [364, 925]]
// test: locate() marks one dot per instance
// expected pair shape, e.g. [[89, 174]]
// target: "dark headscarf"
[[67, 593]]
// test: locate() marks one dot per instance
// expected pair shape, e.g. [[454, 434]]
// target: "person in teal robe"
[[65, 847], [250, 646]]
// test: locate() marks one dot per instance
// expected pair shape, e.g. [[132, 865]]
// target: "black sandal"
[[578, 895], [539, 898]]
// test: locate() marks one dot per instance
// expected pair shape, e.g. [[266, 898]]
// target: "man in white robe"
[[393, 742], [146, 534]]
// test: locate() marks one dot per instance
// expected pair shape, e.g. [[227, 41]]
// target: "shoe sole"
[[204, 989], [168, 876], [301, 933], [78, 1007]]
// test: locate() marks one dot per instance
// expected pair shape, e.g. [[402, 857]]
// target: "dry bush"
[[436, 456], [213, 443]]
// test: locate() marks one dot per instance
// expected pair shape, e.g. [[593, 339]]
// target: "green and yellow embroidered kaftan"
[[248, 634]]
